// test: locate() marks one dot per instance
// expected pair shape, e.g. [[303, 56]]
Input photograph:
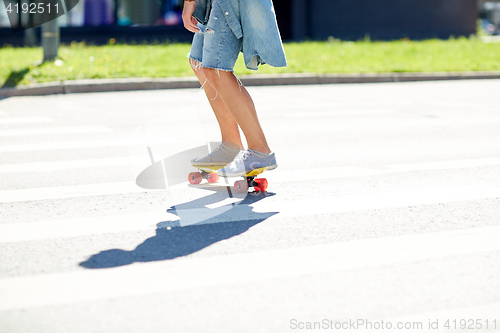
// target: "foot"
[[247, 161], [220, 156]]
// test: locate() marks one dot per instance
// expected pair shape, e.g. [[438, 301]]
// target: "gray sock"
[[231, 150]]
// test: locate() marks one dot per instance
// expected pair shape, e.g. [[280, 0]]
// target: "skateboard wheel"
[[213, 178], [262, 184], [241, 186], [195, 178]]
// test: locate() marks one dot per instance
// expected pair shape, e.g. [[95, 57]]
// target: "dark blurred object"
[[142, 12], [172, 12], [30, 39], [149, 12], [50, 40], [202, 10], [97, 12], [380, 20], [30, 14], [284, 17], [489, 27], [489, 12], [297, 19]]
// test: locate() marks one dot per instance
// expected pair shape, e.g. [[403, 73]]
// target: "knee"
[[195, 65], [211, 74]]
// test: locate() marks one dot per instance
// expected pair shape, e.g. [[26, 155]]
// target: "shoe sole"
[[250, 173], [209, 165]]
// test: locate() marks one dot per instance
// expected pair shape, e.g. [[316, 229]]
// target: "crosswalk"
[[55, 146], [203, 239], [53, 131], [59, 288], [24, 120], [228, 212]]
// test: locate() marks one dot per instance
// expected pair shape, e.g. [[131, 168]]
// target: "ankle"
[[263, 150], [232, 145]]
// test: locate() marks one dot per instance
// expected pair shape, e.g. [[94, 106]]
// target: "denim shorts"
[[216, 46]]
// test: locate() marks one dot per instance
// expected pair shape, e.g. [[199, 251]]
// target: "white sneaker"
[[247, 161], [221, 156]]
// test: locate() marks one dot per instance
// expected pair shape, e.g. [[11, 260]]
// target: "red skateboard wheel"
[[213, 178], [195, 178], [262, 184], [241, 186]]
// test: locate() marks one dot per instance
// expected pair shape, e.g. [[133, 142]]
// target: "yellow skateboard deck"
[[214, 169], [209, 169], [256, 172]]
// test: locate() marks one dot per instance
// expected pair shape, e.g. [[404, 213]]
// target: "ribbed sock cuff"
[[230, 150]]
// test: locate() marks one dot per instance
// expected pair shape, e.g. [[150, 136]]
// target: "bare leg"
[[240, 105], [228, 126]]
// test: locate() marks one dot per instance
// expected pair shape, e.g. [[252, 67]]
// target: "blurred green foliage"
[[18, 66]]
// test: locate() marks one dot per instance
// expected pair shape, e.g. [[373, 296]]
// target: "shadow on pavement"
[[15, 77], [171, 243]]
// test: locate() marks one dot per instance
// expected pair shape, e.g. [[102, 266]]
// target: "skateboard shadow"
[[173, 242]]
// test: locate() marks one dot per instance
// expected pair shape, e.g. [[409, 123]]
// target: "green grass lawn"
[[18, 66]]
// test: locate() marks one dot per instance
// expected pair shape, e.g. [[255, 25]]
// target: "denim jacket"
[[255, 22]]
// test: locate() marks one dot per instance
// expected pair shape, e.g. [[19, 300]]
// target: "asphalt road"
[[384, 213]]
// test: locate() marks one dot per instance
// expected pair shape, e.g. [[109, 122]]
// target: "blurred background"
[[97, 21], [489, 12]]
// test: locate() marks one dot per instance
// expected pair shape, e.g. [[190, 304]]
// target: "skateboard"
[[208, 173], [240, 186]]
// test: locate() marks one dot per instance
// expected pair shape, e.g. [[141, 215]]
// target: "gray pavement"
[[385, 207], [134, 84]]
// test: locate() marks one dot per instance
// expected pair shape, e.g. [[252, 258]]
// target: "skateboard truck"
[[196, 177], [242, 186]]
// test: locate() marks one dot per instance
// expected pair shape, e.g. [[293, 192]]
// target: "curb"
[[110, 85]]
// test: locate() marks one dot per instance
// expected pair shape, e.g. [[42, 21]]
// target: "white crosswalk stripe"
[[25, 120], [129, 187], [59, 192], [72, 164], [83, 144], [342, 172], [329, 205], [478, 312], [54, 131]]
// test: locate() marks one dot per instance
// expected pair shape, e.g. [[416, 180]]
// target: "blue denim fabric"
[[216, 46], [261, 37], [253, 21]]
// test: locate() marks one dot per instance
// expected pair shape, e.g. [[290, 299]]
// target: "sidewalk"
[[108, 85]]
